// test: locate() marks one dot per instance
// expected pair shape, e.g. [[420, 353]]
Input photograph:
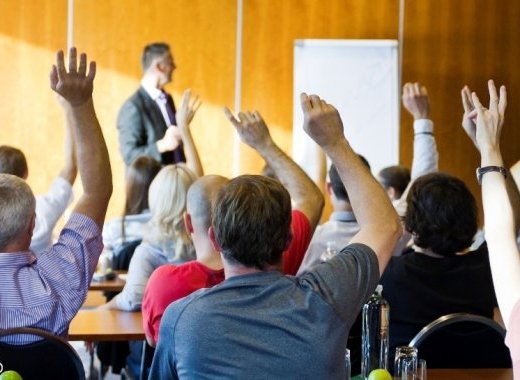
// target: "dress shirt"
[[158, 97], [49, 208], [46, 292]]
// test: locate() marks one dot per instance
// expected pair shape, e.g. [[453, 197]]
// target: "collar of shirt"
[[343, 216], [16, 259], [151, 90]]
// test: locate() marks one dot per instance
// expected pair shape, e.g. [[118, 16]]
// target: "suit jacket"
[[140, 124]]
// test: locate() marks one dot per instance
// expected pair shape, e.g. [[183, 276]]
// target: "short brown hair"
[[251, 219], [12, 161]]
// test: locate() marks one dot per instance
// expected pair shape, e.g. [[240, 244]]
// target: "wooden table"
[[106, 325], [471, 374], [115, 285]]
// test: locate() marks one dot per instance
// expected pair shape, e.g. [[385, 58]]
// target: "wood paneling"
[[449, 44]]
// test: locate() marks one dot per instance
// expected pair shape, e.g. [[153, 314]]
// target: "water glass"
[[347, 364], [405, 361], [419, 373]]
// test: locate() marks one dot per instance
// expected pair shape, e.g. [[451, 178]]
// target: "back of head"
[[397, 177], [251, 219], [167, 200], [17, 206], [441, 214], [338, 188], [12, 161], [139, 176], [153, 51], [201, 196]]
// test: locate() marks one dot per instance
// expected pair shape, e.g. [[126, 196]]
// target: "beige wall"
[[447, 44]]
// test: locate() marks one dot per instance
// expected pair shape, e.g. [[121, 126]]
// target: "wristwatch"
[[487, 169]]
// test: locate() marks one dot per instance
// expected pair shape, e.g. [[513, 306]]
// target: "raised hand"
[[470, 115], [251, 128], [75, 86], [321, 120], [416, 101], [490, 120], [188, 108]]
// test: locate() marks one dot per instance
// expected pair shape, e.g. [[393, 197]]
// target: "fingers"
[[186, 98], [257, 116], [478, 105], [416, 88], [231, 118], [315, 101], [91, 71], [53, 77], [424, 91], [502, 103], [305, 102], [72, 60], [60, 65], [493, 97], [467, 103]]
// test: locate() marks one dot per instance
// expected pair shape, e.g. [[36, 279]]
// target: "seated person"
[[50, 206], [259, 323], [165, 239], [395, 180], [207, 270], [501, 200], [438, 276], [136, 213], [46, 293]]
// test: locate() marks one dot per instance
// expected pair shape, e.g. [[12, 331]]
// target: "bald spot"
[[201, 195]]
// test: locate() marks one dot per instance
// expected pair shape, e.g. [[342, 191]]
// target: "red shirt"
[[169, 283]]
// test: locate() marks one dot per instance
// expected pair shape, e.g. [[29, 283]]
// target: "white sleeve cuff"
[[423, 126]]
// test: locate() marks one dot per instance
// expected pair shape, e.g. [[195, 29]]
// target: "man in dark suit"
[[146, 121]]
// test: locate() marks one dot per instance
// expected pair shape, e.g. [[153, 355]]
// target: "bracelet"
[[487, 169]]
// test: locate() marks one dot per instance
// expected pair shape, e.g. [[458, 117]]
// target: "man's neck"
[[235, 269], [152, 81]]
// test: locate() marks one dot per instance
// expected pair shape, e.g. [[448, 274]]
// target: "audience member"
[[500, 199], [146, 121], [165, 239], [47, 292], [395, 180], [50, 206], [269, 324], [307, 206], [129, 227]]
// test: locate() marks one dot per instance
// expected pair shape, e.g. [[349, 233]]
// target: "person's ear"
[[213, 239], [187, 223], [328, 188], [392, 192], [32, 223]]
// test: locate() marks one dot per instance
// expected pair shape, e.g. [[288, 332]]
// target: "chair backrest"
[[50, 357], [123, 255], [463, 340]]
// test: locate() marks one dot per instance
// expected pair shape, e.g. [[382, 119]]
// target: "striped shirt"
[[47, 292]]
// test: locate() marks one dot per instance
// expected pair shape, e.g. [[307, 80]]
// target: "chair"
[[51, 357], [463, 340]]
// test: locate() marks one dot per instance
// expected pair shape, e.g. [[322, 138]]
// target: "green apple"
[[379, 374], [10, 375]]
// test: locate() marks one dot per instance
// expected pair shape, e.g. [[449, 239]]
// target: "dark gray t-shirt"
[[266, 325]]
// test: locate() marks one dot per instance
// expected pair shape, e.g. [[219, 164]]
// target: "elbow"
[[395, 229]]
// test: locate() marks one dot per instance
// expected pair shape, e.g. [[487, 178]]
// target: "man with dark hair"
[[146, 121], [395, 180], [439, 276], [259, 323], [47, 292], [51, 205]]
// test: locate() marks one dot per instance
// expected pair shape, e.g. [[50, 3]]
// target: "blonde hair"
[[167, 200]]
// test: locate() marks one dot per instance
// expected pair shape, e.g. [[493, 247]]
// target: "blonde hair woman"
[[165, 239]]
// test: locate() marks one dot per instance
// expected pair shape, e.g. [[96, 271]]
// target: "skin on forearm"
[[380, 225], [93, 162], [70, 169], [192, 155], [305, 195]]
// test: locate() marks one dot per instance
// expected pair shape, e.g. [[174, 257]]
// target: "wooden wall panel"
[[202, 36], [30, 33], [270, 28], [451, 43]]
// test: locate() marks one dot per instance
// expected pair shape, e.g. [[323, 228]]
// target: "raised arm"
[[184, 117], [70, 168], [305, 195], [76, 86], [380, 225], [498, 214]]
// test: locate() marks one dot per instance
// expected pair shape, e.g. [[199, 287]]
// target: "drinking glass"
[[405, 360], [419, 373], [347, 364]]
